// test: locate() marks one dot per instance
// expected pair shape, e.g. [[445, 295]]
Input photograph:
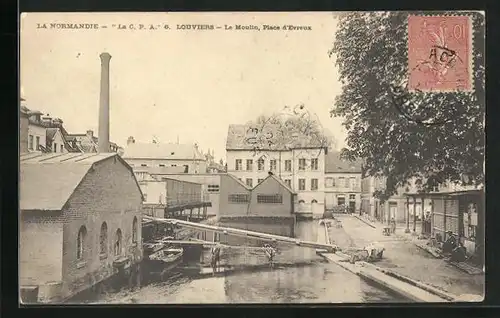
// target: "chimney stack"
[[103, 141]]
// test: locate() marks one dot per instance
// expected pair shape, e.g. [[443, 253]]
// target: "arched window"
[[301, 201], [314, 201], [118, 243], [103, 238], [134, 230], [80, 248]]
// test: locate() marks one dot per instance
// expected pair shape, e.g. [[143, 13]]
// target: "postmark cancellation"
[[440, 53]]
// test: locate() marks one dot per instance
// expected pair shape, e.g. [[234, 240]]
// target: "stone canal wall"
[[408, 288]]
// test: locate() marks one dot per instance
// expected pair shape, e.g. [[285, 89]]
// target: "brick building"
[[80, 221]]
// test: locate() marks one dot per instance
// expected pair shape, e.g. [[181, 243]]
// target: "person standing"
[[393, 225], [215, 258], [270, 253], [427, 223]]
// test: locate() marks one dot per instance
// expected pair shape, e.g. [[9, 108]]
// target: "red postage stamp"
[[440, 53]]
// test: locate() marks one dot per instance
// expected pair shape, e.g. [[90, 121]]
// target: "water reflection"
[[300, 277]]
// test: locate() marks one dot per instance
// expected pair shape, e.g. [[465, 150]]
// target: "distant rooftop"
[[160, 170], [241, 137], [334, 164], [162, 151]]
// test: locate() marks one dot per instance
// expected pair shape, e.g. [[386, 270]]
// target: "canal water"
[[299, 276]]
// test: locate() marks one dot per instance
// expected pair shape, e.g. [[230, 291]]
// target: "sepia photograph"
[[252, 157]]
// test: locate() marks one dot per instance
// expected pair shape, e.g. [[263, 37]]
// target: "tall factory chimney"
[[103, 141]]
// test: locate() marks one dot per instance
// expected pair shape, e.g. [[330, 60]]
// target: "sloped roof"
[[51, 132], [47, 180], [160, 170], [215, 165], [24, 110], [241, 137], [237, 180], [86, 144], [162, 151], [277, 179], [334, 164]]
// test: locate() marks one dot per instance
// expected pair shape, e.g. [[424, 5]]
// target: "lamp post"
[[407, 230]]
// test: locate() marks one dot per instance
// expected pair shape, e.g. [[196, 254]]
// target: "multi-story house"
[[37, 132], [394, 207], [45, 134], [146, 156], [407, 203], [342, 183], [89, 143], [23, 127], [299, 162]]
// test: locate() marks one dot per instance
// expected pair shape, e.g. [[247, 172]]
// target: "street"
[[403, 257]]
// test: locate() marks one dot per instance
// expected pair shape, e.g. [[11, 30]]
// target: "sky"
[[185, 84]]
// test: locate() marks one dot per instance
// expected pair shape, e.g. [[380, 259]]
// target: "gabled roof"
[[51, 132], [334, 164], [277, 179], [237, 180], [162, 151], [242, 137], [86, 144], [47, 180], [83, 143]]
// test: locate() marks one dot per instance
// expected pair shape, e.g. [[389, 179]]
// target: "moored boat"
[[164, 260], [167, 255]]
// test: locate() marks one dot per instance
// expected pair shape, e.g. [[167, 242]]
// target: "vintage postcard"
[[219, 158]]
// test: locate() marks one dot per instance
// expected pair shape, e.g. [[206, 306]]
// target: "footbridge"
[[245, 233]]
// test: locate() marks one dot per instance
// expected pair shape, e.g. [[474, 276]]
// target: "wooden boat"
[[164, 260], [121, 261], [167, 255], [155, 245]]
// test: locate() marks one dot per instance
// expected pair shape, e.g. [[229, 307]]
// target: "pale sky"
[[169, 83]]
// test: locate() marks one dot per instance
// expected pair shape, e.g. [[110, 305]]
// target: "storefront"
[[461, 213]]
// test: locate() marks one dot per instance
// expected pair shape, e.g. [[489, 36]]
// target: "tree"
[[434, 137], [293, 127]]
